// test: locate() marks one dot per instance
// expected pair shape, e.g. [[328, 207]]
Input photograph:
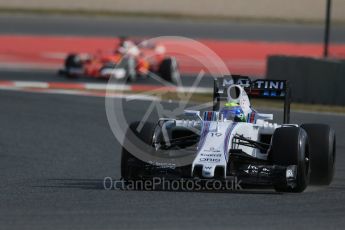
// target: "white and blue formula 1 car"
[[234, 140]]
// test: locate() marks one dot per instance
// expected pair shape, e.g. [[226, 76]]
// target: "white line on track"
[[142, 97], [28, 84], [100, 86]]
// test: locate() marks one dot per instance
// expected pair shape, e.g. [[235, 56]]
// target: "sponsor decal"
[[211, 154], [262, 84], [213, 134], [258, 84], [245, 82], [211, 160], [212, 149], [227, 82]]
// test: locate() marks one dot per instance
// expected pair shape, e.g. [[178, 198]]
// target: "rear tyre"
[[290, 147], [72, 61], [322, 142], [168, 70], [132, 167]]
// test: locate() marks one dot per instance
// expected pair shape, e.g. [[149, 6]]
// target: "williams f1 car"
[[234, 140], [129, 61]]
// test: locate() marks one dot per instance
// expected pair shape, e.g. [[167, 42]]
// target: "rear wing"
[[258, 88]]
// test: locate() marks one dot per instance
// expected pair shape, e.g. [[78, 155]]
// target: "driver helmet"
[[233, 111]]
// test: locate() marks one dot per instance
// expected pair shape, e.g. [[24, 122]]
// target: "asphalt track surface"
[[56, 150], [100, 26]]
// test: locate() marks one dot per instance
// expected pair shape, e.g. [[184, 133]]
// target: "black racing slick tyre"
[[322, 143], [72, 61], [290, 147], [168, 70], [131, 166]]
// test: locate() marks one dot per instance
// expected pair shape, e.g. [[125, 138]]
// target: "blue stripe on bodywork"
[[227, 137], [204, 132]]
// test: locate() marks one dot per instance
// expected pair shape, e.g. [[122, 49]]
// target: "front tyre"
[[322, 153], [290, 147], [132, 167]]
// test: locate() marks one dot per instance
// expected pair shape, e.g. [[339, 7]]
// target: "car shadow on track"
[[98, 184]]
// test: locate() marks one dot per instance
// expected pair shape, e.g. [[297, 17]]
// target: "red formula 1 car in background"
[[129, 61]]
